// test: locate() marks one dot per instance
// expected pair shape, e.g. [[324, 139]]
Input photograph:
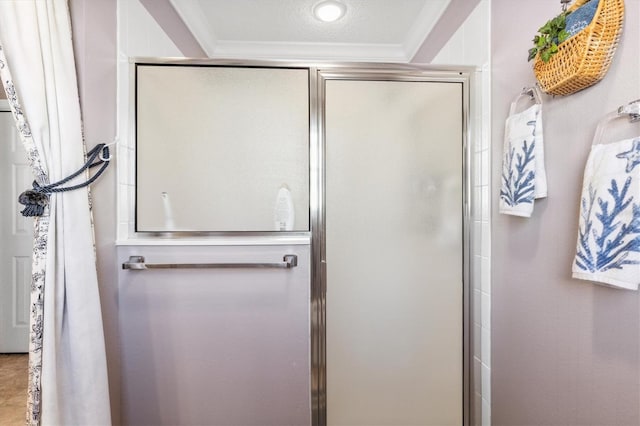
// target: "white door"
[[394, 253], [16, 236]]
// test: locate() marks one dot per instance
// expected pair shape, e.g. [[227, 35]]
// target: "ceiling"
[[371, 30]]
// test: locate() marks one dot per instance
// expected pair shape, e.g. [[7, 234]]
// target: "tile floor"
[[13, 389]]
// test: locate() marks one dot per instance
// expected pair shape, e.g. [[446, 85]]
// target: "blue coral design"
[[632, 156], [618, 240], [518, 177]]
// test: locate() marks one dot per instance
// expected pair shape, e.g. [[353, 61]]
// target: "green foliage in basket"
[[549, 36]]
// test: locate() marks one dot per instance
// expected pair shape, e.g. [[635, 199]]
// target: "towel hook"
[[533, 92], [632, 109], [107, 145]]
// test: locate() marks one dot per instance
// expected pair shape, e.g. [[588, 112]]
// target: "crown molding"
[[311, 51]]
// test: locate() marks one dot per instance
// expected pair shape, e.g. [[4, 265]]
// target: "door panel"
[[16, 241], [394, 252]]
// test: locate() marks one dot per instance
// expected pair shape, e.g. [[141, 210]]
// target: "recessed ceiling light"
[[329, 11]]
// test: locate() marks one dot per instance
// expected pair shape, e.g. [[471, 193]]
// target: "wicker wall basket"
[[583, 59]]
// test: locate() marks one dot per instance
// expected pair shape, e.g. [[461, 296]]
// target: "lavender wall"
[[94, 40], [564, 352], [215, 346]]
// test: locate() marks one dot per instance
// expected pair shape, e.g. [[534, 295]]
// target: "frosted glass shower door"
[[394, 252]]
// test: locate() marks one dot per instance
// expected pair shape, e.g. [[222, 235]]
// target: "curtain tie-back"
[[35, 200]]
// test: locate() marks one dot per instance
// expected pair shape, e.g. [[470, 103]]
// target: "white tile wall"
[[470, 45], [139, 35]]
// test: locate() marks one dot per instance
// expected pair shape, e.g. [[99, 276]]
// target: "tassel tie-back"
[[37, 199]]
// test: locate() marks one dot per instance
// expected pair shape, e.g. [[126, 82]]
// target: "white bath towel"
[[523, 173], [608, 249]]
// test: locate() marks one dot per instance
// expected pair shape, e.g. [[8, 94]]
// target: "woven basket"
[[583, 59]]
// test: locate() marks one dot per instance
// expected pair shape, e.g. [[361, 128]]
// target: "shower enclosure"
[[377, 307], [391, 287]]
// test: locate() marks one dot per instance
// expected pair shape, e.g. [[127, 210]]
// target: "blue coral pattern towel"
[[608, 249], [523, 173]]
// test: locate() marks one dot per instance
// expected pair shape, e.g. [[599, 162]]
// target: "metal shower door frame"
[[377, 72]]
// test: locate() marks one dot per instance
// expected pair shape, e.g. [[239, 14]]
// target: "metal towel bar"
[[136, 263], [630, 110]]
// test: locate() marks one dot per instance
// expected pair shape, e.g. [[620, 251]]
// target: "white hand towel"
[[608, 249], [523, 173]]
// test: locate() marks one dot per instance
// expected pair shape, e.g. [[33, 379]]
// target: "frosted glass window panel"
[[394, 253], [215, 144]]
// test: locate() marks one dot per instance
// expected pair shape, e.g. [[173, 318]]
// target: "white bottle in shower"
[[169, 224], [284, 214]]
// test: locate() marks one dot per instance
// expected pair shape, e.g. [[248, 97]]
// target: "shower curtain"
[[67, 362]]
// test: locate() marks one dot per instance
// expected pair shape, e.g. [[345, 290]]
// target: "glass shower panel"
[[221, 148], [394, 252]]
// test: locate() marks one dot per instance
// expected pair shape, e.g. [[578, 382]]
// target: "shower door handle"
[[137, 263]]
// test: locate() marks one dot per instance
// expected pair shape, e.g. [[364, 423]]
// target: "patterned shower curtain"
[[67, 362]]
